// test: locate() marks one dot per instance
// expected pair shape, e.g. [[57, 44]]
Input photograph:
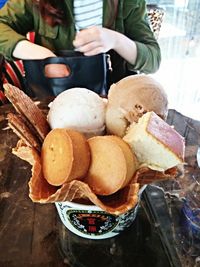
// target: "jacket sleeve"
[[137, 28], [15, 21]]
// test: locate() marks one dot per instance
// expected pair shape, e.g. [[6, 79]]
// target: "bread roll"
[[65, 156], [112, 164], [80, 109], [130, 98]]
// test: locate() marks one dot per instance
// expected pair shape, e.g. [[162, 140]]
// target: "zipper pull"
[[109, 62]]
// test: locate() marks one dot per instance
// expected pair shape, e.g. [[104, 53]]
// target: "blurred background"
[[2, 2], [179, 38]]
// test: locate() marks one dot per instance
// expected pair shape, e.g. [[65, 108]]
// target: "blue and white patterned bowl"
[[90, 221]]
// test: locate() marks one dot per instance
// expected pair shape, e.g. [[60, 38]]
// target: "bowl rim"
[[80, 206]]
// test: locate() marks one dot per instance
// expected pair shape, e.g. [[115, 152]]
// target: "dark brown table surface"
[[32, 235]]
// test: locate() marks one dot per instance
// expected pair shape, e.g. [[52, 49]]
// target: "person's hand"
[[94, 40], [56, 71]]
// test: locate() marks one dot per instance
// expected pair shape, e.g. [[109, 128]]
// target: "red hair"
[[53, 11]]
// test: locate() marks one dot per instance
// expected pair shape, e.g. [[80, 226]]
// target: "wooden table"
[[31, 234]]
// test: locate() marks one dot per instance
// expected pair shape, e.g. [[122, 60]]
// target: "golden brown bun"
[[65, 156], [81, 154], [112, 164], [130, 98], [42, 192], [131, 160]]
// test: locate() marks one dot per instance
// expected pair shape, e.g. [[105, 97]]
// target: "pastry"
[[65, 156], [156, 144], [130, 98], [112, 164]]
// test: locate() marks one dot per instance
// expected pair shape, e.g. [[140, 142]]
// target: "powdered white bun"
[[155, 143], [79, 109], [130, 98]]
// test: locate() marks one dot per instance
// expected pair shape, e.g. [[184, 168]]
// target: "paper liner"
[[42, 192], [122, 201]]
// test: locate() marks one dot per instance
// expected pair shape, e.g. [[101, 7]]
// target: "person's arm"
[[16, 19], [137, 28], [95, 40], [138, 46], [27, 50]]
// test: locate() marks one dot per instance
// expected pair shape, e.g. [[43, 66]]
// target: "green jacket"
[[18, 17]]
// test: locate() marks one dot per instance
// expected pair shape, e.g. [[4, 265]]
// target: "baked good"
[[32, 115], [65, 156], [19, 127], [112, 164], [130, 98], [156, 144], [79, 109], [41, 191], [131, 161]]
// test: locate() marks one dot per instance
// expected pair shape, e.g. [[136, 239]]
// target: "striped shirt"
[[88, 13]]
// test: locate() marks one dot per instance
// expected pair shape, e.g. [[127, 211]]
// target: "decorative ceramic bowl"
[[90, 221]]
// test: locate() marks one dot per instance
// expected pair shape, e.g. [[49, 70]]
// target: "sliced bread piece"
[[155, 143]]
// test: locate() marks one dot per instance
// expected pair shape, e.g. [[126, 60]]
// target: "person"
[[120, 28]]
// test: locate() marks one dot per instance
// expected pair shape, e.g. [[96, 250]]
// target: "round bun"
[[130, 98], [80, 109], [112, 164], [65, 156]]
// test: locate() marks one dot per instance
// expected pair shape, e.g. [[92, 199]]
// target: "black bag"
[[85, 71]]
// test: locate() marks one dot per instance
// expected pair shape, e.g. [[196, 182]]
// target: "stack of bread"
[[129, 144]]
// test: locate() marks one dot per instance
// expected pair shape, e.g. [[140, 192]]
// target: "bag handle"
[[68, 61], [57, 60], [64, 57]]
